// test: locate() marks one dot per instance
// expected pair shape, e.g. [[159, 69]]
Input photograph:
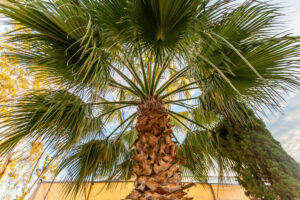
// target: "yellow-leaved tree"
[[24, 165]]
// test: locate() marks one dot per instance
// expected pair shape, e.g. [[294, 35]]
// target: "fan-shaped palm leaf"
[[205, 61]]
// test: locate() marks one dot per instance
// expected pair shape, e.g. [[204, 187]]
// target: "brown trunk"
[[158, 176]]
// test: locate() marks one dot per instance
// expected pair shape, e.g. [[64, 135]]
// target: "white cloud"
[[297, 156], [286, 126]]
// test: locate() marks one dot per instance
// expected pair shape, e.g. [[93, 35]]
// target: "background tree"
[[106, 57], [262, 167], [14, 78], [269, 174], [21, 168]]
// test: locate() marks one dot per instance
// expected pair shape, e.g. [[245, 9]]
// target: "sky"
[[285, 126]]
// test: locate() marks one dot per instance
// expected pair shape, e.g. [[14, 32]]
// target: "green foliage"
[[262, 166], [104, 56], [48, 116], [98, 159], [195, 164], [201, 158], [60, 37], [162, 24], [243, 39]]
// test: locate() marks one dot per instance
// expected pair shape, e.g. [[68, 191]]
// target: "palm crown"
[[207, 61]]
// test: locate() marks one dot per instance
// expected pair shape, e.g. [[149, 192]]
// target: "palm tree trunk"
[[157, 173]]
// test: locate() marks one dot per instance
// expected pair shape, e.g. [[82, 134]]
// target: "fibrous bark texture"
[[158, 176]]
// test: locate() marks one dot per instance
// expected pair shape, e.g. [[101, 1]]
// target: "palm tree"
[[126, 72]]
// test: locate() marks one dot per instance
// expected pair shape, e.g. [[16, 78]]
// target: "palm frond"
[[60, 37], [162, 24], [200, 157], [95, 160], [254, 62], [84, 163], [56, 117], [110, 55]]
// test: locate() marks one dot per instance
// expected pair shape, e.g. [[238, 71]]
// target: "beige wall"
[[119, 191]]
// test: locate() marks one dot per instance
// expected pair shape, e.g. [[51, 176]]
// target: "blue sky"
[[285, 126]]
